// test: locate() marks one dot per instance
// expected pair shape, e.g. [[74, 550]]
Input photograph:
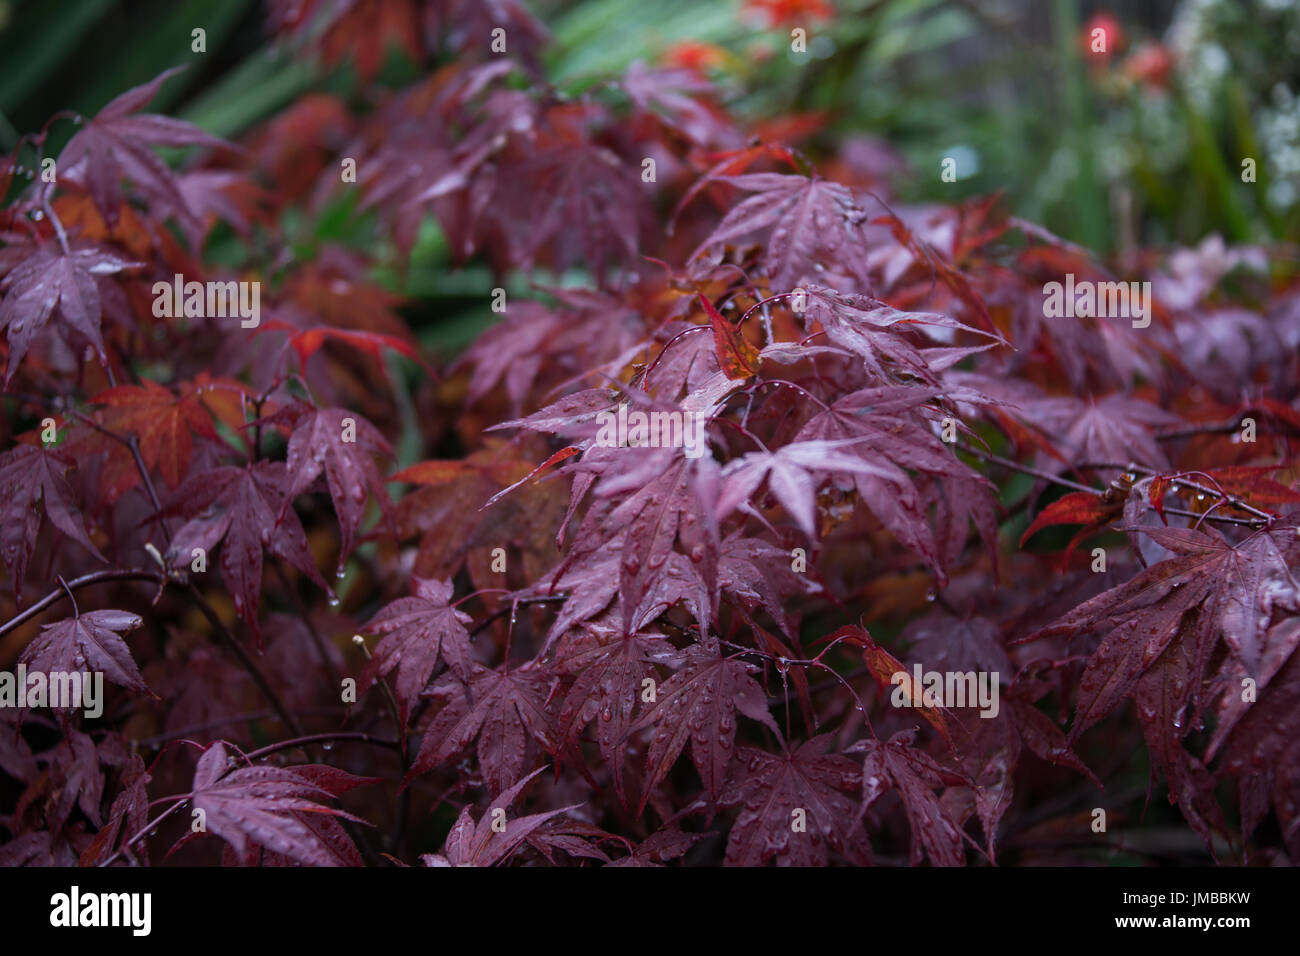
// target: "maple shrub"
[[949, 576]]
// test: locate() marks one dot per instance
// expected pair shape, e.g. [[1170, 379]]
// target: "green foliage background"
[[1098, 157]]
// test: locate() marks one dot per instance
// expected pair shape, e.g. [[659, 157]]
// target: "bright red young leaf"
[[163, 424], [1077, 507], [736, 357]]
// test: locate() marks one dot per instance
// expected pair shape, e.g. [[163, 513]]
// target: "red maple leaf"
[[264, 806], [29, 474], [698, 705], [117, 143], [244, 507], [87, 642], [795, 807], [418, 632], [163, 423], [504, 710], [896, 764], [343, 445], [49, 278]]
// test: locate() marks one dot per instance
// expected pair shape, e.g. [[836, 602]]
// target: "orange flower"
[[1150, 64], [690, 55], [778, 12], [1102, 36]]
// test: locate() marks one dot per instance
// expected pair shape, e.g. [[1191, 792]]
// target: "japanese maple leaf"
[[755, 573], [49, 279], [591, 580], [118, 143], [1163, 694], [678, 582], [610, 669], [672, 94], [459, 517], [886, 668], [789, 473], [698, 704], [897, 765], [242, 508], [947, 643], [87, 642], [659, 847], [805, 220], [795, 806], [363, 29], [874, 331], [675, 504], [736, 357], [130, 808], [1263, 743], [417, 632], [1280, 644], [1209, 589], [163, 424], [578, 199], [1077, 507], [343, 445], [16, 758], [28, 475], [895, 428], [485, 843], [1115, 430], [261, 805], [502, 709], [77, 777]]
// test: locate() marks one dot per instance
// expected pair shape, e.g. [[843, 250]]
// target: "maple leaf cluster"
[[702, 650]]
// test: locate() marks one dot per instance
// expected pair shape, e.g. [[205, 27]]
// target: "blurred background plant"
[[1137, 139]]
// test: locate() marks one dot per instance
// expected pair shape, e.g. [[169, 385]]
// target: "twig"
[[223, 634], [302, 741], [180, 802], [95, 577], [1025, 469]]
